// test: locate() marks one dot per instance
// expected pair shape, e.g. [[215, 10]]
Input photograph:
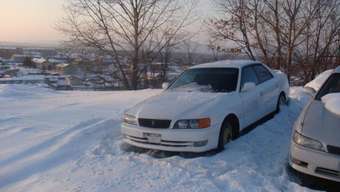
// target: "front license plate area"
[[153, 137]]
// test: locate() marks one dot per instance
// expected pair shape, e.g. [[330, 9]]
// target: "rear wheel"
[[282, 100]]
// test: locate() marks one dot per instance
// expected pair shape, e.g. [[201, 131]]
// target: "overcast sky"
[[30, 20], [33, 21]]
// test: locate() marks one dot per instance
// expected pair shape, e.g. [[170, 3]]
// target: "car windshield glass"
[[207, 80], [332, 85]]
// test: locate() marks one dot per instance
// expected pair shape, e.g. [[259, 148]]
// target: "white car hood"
[[175, 105], [321, 124]]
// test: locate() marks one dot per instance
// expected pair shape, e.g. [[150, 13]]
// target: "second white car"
[[315, 144]]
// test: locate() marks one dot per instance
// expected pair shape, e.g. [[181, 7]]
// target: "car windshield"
[[332, 85], [207, 80]]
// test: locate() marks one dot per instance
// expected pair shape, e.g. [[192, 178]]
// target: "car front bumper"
[[315, 163], [176, 140]]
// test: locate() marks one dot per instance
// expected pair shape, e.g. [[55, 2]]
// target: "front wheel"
[[226, 135], [282, 100]]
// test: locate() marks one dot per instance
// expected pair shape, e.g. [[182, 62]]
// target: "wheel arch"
[[283, 93], [233, 118]]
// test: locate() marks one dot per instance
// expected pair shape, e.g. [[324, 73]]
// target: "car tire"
[[282, 100], [227, 134]]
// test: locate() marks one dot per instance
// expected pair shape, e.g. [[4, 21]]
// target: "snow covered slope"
[[70, 141]]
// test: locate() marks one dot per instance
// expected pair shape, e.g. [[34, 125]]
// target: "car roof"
[[226, 64]]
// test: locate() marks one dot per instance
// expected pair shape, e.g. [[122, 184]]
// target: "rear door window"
[[248, 76], [262, 73]]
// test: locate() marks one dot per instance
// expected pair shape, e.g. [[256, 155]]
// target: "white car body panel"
[[315, 159], [248, 107], [251, 105]]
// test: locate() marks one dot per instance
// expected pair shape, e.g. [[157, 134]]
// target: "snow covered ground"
[[70, 141]]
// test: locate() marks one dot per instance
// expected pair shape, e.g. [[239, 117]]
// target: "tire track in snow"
[[54, 151]]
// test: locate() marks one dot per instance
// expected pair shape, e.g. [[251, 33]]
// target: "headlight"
[[130, 119], [193, 124], [307, 142]]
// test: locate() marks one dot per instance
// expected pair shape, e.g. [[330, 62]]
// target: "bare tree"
[[319, 48], [138, 28], [190, 50], [215, 49], [234, 26], [287, 34]]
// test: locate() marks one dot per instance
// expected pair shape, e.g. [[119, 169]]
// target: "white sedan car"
[[315, 146], [206, 107]]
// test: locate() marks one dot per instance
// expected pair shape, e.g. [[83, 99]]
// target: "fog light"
[[200, 143], [300, 163]]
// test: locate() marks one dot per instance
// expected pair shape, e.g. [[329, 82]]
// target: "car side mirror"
[[165, 85], [248, 87]]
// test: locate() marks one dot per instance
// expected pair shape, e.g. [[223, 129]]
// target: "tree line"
[[300, 37]]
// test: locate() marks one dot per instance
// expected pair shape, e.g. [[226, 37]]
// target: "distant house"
[[75, 56], [4, 67], [70, 69], [8, 62], [18, 58], [5, 70], [49, 64], [76, 81], [56, 61], [32, 53], [60, 68], [7, 52], [40, 63]]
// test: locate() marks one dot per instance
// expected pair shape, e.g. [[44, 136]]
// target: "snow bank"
[[332, 103], [21, 91], [319, 80]]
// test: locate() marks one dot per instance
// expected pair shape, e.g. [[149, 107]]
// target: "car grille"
[[154, 123], [333, 150]]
